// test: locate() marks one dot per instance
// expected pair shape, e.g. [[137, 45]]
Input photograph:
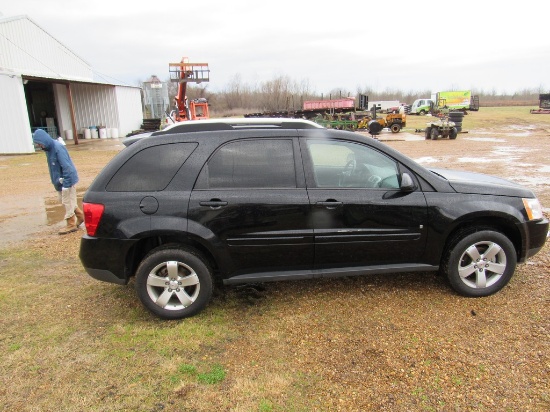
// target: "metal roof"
[[30, 51]]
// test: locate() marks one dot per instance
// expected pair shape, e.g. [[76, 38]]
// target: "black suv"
[[255, 200]]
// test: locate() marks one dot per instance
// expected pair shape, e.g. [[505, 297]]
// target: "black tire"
[[434, 134], [479, 263], [161, 280], [427, 133], [422, 112], [395, 128], [374, 127], [456, 115], [453, 133]]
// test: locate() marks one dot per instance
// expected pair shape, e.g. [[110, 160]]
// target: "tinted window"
[[150, 169], [261, 163], [349, 164]]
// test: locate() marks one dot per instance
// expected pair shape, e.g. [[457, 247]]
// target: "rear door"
[[251, 200], [359, 214]]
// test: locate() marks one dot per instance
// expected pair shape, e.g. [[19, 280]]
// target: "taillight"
[[92, 216]]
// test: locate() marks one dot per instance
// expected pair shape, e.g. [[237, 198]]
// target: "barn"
[[46, 85]]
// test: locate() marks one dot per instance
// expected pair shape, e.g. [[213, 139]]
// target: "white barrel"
[[87, 134], [114, 133], [102, 133], [108, 131], [94, 134], [68, 135]]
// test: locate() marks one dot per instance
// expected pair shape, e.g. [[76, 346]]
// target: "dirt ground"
[[393, 343]]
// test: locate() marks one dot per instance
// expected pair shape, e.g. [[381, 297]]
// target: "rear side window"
[[151, 169], [262, 163]]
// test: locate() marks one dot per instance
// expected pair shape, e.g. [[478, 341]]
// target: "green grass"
[[215, 374]]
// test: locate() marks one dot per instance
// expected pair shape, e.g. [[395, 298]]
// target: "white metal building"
[[44, 84]]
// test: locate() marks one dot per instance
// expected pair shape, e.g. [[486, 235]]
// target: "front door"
[[360, 215]]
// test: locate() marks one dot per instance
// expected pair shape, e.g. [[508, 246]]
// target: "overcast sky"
[[400, 45]]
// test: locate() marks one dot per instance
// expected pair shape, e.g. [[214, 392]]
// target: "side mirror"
[[407, 184]]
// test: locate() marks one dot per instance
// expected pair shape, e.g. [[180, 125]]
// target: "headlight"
[[533, 208]]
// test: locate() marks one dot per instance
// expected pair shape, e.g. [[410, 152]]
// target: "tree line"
[[283, 93]]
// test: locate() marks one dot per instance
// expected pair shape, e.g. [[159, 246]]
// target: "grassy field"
[[390, 343], [488, 118]]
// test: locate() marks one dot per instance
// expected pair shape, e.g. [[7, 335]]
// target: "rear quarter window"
[[151, 169]]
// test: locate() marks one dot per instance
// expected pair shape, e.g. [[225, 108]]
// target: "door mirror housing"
[[407, 183]]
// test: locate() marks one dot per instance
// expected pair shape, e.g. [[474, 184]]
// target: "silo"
[[155, 98]]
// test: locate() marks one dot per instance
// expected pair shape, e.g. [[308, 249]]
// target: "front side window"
[[260, 163], [350, 164]]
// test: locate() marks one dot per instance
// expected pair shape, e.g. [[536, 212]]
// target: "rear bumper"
[[105, 259]]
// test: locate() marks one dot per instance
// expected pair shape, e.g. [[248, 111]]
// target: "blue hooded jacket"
[[59, 161]]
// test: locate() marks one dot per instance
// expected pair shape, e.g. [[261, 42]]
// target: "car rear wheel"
[[174, 283], [480, 263]]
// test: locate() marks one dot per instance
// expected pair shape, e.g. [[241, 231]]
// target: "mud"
[[29, 203]]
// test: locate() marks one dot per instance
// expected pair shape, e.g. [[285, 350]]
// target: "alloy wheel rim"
[[173, 285], [482, 265]]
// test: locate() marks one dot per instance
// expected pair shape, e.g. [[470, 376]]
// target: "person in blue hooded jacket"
[[64, 178]]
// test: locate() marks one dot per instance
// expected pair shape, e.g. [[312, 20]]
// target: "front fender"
[[447, 214]]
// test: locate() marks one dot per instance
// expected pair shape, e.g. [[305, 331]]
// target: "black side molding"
[[328, 273]]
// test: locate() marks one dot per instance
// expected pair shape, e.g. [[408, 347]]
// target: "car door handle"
[[329, 204], [214, 203]]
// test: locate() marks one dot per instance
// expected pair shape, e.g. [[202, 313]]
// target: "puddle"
[[479, 160], [522, 165], [509, 131], [486, 139], [426, 159], [26, 216], [524, 134], [530, 180], [521, 131], [522, 127], [411, 137], [510, 149], [18, 222]]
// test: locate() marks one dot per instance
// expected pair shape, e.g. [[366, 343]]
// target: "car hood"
[[478, 183]]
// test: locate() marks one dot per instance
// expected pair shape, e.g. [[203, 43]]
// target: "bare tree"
[[283, 93]]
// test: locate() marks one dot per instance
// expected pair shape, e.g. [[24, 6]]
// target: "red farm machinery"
[[184, 73]]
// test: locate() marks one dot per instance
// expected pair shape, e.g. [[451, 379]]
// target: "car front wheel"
[[174, 283], [480, 263]]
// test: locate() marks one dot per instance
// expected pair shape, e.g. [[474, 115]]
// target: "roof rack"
[[237, 124]]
